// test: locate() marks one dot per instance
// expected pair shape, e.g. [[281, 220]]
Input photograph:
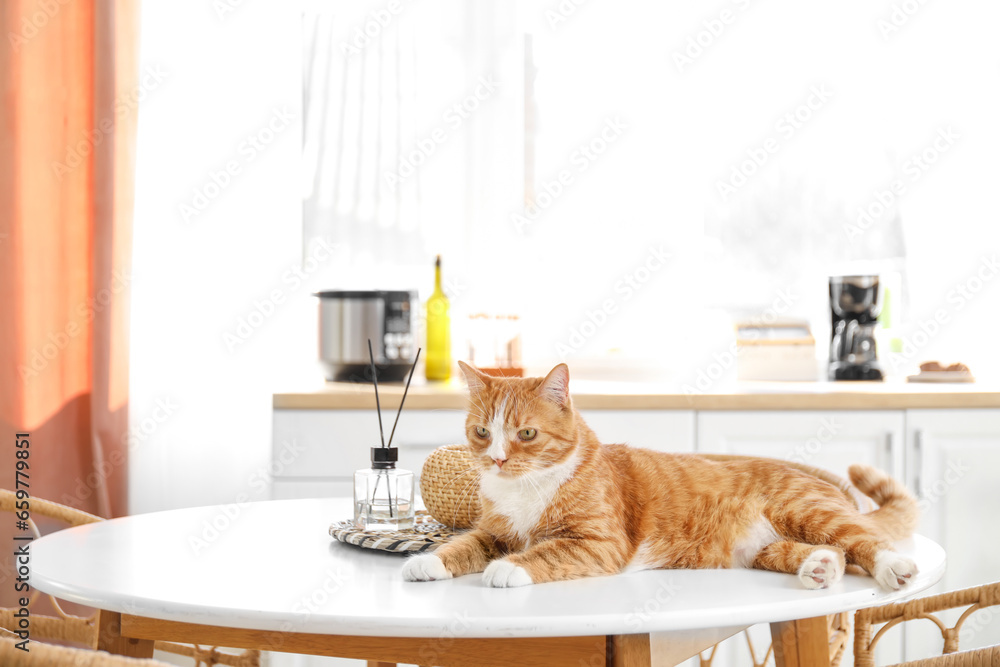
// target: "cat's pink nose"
[[499, 462]]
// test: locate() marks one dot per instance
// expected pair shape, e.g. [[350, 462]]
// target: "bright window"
[[758, 147]]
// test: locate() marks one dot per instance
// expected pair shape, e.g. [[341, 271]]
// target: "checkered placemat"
[[426, 535]]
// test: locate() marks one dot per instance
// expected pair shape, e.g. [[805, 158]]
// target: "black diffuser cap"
[[384, 457]]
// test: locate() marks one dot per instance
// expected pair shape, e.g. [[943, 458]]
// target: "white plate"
[[942, 376]]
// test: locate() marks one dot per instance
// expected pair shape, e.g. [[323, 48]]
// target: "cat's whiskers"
[[470, 470], [466, 493], [469, 486], [475, 399], [480, 403], [478, 410], [481, 410]]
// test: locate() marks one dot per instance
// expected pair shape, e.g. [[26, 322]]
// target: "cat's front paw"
[[425, 567], [504, 574], [822, 569], [893, 571]]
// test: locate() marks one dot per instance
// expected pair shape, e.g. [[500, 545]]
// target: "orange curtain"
[[69, 76]]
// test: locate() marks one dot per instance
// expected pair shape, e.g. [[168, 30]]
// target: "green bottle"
[[437, 364]]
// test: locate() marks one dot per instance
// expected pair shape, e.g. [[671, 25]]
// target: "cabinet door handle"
[[890, 455], [918, 461]]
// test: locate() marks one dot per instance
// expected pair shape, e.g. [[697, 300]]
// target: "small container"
[[383, 494], [495, 344]]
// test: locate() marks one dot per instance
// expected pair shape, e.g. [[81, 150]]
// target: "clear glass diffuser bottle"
[[383, 494]]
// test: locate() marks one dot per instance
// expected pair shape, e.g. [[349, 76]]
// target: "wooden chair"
[[82, 630], [976, 598]]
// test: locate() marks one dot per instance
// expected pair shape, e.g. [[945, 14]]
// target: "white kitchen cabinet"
[[661, 430], [954, 467], [829, 439], [315, 452]]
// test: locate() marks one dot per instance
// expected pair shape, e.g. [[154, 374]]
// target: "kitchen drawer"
[[294, 489], [662, 430], [334, 487], [334, 443], [830, 439]]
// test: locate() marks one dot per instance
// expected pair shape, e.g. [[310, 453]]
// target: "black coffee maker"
[[855, 303]]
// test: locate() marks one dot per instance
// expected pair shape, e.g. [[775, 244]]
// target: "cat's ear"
[[473, 377], [555, 386]]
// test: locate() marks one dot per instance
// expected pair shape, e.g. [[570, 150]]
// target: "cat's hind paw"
[[893, 571], [425, 567], [504, 574], [822, 569]]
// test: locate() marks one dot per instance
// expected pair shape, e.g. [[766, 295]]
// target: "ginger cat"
[[557, 504]]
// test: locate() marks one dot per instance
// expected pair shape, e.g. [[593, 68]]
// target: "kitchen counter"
[[601, 395]]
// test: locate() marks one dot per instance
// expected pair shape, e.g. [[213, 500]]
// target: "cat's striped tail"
[[898, 512]]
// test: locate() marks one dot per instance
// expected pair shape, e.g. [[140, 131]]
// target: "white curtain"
[[396, 99]]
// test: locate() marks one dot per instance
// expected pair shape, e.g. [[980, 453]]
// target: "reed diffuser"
[[383, 494]]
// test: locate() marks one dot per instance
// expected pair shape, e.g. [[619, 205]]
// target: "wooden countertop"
[[594, 395]]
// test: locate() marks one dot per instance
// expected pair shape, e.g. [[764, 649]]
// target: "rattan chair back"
[[889, 616]]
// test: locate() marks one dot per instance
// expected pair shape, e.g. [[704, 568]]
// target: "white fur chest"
[[524, 499]]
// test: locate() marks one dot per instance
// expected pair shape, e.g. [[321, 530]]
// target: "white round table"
[[268, 575]]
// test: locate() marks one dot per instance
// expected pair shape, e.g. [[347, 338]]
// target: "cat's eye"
[[482, 432], [527, 434]]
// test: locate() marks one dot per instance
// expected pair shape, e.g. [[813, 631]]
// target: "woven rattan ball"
[[449, 484]]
